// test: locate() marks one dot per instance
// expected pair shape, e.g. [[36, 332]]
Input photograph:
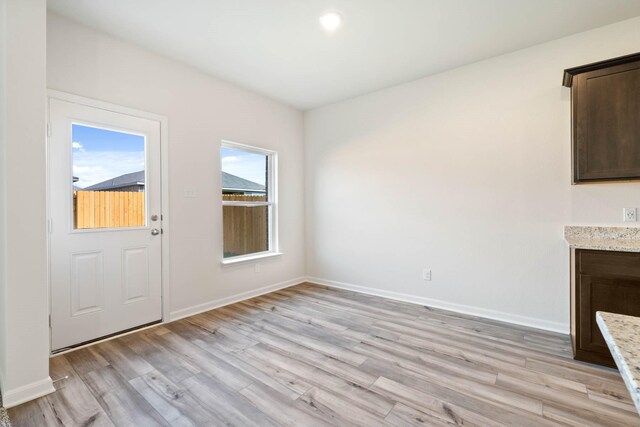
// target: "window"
[[108, 178], [248, 202]]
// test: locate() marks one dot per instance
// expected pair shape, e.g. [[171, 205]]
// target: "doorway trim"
[[164, 194]]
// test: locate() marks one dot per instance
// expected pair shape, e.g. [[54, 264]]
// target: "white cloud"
[[247, 165], [77, 146], [253, 170], [230, 159], [97, 166]]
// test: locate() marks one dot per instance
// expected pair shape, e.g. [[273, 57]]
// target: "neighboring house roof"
[[126, 180], [229, 182], [235, 183]]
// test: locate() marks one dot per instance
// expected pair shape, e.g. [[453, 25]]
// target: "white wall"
[[3, 225], [201, 111], [24, 367], [467, 173]]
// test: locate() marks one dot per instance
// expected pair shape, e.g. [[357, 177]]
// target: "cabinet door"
[[602, 293], [606, 129]]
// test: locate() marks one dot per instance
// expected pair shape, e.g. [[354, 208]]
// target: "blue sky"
[[100, 154], [244, 164]]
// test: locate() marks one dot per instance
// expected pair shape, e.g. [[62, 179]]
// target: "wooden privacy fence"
[[104, 209], [245, 229]]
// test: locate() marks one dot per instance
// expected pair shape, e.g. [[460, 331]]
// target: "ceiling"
[[277, 47]]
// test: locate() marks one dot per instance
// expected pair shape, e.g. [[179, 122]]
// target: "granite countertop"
[[624, 239], [622, 334]]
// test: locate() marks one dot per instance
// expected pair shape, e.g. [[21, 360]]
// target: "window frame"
[[271, 203]]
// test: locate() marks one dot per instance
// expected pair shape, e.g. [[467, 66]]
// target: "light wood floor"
[[310, 356]]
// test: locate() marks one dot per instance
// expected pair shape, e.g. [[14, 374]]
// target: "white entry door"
[[105, 222]]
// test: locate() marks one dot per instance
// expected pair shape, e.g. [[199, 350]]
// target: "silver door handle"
[[155, 232]]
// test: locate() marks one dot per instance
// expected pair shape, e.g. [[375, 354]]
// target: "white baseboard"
[[210, 305], [16, 396], [517, 319], [199, 308]]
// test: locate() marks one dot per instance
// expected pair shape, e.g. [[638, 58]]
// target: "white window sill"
[[249, 258]]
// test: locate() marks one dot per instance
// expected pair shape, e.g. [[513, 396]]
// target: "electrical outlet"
[[426, 274], [629, 214]]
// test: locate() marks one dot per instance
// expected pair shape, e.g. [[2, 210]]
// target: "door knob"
[[155, 232]]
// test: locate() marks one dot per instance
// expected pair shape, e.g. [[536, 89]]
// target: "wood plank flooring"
[[313, 356]]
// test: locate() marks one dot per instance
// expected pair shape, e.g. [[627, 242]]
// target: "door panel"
[[604, 281], [87, 283], [610, 294], [104, 190], [135, 264]]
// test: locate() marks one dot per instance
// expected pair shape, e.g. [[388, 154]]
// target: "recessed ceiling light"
[[330, 21]]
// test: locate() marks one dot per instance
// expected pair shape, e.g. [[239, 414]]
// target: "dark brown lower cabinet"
[[601, 281]]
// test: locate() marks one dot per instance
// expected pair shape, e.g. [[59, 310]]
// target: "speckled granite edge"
[[622, 334], [602, 233], [4, 417], [625, 239]]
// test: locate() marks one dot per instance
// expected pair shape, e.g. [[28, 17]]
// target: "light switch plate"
[[629, 214], [190, 192]]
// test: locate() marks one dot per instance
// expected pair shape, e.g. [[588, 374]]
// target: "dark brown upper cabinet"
[[605, 110]]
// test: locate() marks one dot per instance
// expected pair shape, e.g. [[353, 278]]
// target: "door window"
[[108, 178]]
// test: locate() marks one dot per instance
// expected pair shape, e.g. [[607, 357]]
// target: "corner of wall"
[[3, 137], [24, 344], [221, 302], [25, 393]]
